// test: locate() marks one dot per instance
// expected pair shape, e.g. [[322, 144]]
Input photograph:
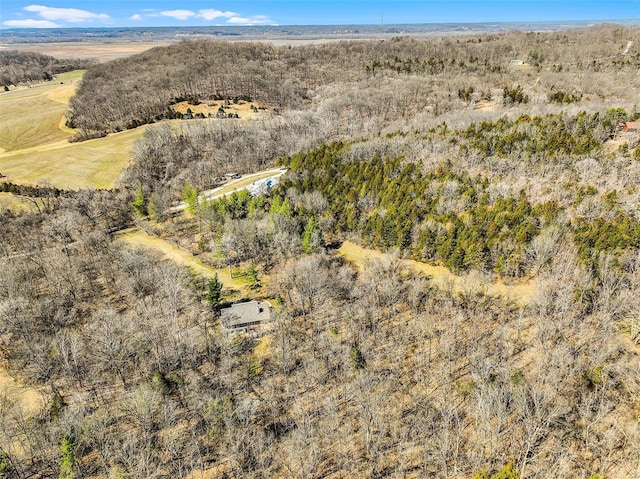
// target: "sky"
[[147, 13]]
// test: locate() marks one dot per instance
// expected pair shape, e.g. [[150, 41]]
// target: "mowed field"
[[94, 163], [34, 146], [36, 116]]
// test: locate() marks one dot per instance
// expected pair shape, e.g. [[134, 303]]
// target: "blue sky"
[[119, 13]]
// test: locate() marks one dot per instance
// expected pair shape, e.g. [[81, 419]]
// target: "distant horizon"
[[624, 21], [24, 14]]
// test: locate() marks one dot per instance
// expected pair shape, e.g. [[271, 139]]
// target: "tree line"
[[140, 89], [24, 67]]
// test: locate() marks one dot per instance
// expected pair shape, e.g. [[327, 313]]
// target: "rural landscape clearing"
[[439, 232]]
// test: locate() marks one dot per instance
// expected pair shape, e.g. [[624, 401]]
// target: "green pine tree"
[[190, 197], [311, 236], [214, 291], [139, 205], [67, 459]]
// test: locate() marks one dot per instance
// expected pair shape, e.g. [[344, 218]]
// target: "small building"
[[245, 317]]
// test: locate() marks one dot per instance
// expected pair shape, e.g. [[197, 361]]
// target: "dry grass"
[[33, 116], [242, 108], [135, 236], [33, 140], [443, 278], [94, 163], [11, 389], [14, 203]]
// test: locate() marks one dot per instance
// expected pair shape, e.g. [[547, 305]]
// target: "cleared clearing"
[[136, 236], [522, 292], [210, 108], [29, 399]]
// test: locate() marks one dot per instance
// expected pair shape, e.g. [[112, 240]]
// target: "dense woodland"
[[25, 67], [442, 151]]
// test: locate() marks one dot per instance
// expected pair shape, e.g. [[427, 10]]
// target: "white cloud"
[[178, 14], [30, 23], [136, 16], [71, 15], [253, 20], [210, 14]]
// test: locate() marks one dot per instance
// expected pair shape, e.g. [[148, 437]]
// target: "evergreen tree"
[[139, 205], [67, 459], [190, 197], [311, 236], [214, 291]]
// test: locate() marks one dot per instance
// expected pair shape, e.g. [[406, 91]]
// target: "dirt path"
[[522, 292], [136, 236]]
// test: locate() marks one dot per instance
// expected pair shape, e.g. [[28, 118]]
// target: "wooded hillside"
[[23, 67]]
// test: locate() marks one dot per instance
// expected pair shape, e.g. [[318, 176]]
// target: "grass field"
[[14, 203], [522, 292], [94, 163], [34, 116], [34, 147]]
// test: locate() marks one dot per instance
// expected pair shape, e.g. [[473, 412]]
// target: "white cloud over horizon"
[[253, 20], [178, 14], [43, 16], [211, 14], [30, 23], [71, 15]]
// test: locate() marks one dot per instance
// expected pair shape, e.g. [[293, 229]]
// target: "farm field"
[[93, 163], [35, 116], [101, 51], [34, 146]]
